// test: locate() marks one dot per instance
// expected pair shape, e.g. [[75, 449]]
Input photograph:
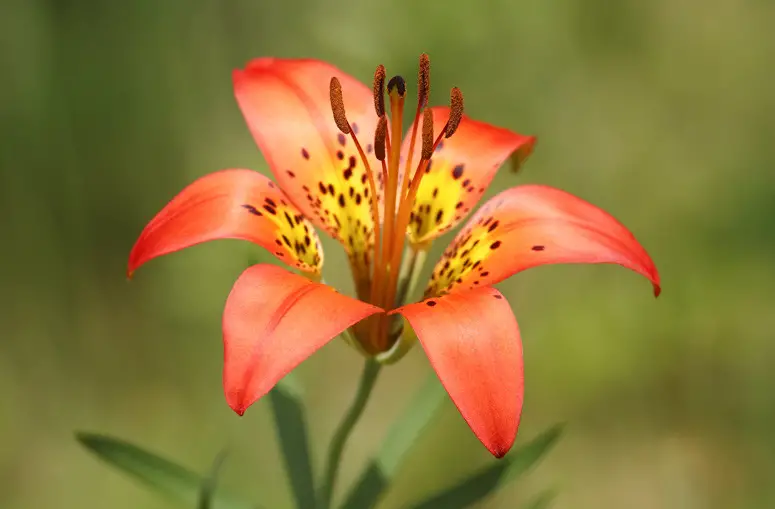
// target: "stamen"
[[427, 135], [337, 106], [456, 111], [379, 90], [424, 81], [423, 93], [379, 138]]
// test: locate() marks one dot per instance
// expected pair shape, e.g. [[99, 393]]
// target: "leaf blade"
[[543, 500], [161, 475], [291, 428], [490, 478]]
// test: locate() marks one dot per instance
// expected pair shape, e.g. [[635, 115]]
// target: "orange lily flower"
[[348, 177]]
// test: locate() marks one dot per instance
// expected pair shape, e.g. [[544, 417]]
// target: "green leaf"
[[498, 474], [207, 488], [161, 475], [291, 425], [380, 472], [543, 500]]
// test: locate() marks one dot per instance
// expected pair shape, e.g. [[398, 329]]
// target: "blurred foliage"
[[661, 112]]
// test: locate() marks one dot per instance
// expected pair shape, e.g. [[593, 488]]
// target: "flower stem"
[[368, 378]]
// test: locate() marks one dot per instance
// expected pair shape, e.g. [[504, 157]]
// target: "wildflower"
[[386, 198]]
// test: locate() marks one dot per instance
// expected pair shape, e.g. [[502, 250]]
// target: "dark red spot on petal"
[[430, 303], [538, 248], [252, 209], [457, 171]]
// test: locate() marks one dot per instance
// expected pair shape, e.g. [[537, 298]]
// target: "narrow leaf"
[[380, 472], [291, 425], [491, 478], [207, 487], [161, 475], [543, 500]]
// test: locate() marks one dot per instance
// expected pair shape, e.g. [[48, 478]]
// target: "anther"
[[379, 90], [337, 106], [379, 138], [398, 84], [424, 81], [455, 111], [427, 134]]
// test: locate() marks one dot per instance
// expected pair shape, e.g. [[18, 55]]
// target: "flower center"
[[379, 283]]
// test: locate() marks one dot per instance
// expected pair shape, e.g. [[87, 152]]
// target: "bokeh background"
[[662, 112]]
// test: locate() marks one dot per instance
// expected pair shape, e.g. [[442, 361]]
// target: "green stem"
[[368, 378]]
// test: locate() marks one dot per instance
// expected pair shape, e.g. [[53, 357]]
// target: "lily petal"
[[532, 225], [472, 341], [461, 169], [286, 104], [231, 204], [273, 320]]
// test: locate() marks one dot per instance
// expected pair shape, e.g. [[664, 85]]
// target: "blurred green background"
[[662, 112]]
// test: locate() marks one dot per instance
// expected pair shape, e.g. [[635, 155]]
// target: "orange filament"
[[404, 215]]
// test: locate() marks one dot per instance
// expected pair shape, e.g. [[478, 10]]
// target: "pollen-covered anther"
[[397, 85], [424, 81], [379, 138], [455, 111], [427, 134], [337, 106], [379, 90]]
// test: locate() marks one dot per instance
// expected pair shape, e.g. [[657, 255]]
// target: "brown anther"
[[379, 90], [397, 84], [424, 81], [379, 138], [455, 111], [337, 106], [427, 134]]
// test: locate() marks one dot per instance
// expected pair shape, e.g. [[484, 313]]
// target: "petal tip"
[[499, 450], [657, 290], [522, 152], [239, 408]]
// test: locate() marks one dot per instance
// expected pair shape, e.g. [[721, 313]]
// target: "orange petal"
[[274, 320], [473, 343], [287, 107], [231, 204], [460, 171], [532, 225]]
